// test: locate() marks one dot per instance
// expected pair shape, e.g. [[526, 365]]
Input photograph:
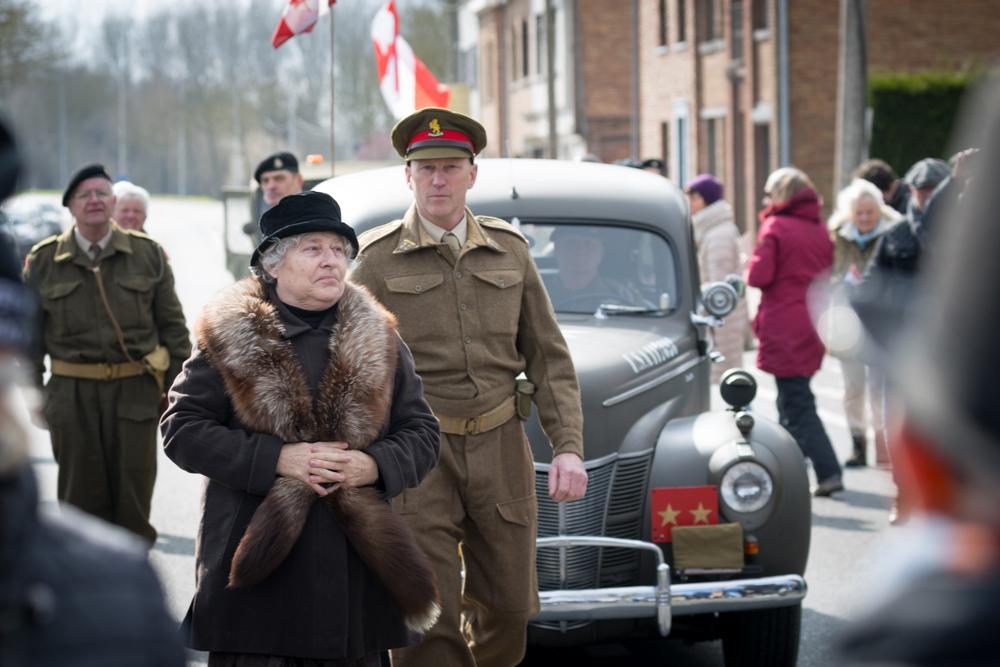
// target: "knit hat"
[[706, 185]]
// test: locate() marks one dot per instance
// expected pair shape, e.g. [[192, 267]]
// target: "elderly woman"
[[793, 251], [302, 409], [131, 205], [857, 225]]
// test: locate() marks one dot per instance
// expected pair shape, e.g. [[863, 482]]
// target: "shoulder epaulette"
[[41, 244], [500, 225], [376, 234]]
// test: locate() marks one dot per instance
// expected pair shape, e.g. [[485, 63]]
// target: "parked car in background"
[[696, 523], [29, 221]]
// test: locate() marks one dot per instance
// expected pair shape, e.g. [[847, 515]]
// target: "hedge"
[[914, 114]]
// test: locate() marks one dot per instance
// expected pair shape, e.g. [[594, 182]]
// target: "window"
[[736, 30], [590, 265], [539, 43], [714, 146], [525, 69], [514, 50], [682, 168], [707, 21], [759, 10], [681, 21], [663, 22], [665, 147]]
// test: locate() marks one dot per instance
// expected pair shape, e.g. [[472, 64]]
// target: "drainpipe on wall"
[[502, 107], [784, 119], [634, 148]]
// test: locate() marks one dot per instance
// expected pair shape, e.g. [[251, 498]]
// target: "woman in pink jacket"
[[793, 251]]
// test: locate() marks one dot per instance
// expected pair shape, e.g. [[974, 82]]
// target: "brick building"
[[502, 51], [717, 95]]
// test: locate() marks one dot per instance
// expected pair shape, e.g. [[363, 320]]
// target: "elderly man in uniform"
[[473, 310], [114, 332], [278, 176]]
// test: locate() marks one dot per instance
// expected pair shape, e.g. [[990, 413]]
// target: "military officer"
[[278, 176], [475, 314], [114, 332]]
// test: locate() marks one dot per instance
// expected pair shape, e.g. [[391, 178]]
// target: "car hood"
[[615, 355]]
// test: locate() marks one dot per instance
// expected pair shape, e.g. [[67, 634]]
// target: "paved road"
[[846, 530]]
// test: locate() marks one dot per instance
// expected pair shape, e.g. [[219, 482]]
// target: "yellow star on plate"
[[701, 513], [668, 516]]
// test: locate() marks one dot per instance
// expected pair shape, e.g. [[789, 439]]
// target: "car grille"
[[612, 507]]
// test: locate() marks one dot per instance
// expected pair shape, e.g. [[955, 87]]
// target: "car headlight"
[[746, 487]]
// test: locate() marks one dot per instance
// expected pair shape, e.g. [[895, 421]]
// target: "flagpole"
[[333, 107]]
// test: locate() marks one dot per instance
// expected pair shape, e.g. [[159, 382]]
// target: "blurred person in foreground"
[[944, 358], [793, 252], [74, 591], [114, 331], [718, 241], [302, 408], [131, 205], [860, 220]]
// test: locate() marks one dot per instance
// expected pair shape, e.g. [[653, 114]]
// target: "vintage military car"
[[695, 523]]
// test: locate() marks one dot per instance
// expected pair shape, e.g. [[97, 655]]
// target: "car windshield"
[[603, 269]]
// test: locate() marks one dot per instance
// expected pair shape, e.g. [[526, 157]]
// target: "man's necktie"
[[95, 251], [453, 244]]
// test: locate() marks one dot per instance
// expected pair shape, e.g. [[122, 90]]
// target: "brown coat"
[[252, 386], [474, 326]]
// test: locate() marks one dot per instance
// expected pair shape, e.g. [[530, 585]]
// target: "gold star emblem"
[[668, 516], [701, 513]]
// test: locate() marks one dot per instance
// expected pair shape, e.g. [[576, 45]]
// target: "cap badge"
[[435, 128], [278, 164]]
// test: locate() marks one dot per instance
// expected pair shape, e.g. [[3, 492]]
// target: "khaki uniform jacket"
[[474, 325], [140, 287]]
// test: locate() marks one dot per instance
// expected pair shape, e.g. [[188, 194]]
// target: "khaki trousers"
[[104, 442], [859, 380], [477, 508]]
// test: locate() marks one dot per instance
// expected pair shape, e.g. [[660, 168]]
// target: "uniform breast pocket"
[[499, 294], [58, 303], [414, 298], [132, 302]]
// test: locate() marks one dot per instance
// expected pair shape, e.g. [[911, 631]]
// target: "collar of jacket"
[[804, 205], [67, 248], [294, 326], [411, 237]]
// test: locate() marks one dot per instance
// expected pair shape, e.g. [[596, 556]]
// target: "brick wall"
[[606, 69]]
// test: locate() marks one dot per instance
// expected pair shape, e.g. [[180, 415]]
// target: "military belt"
[[102, 371], [487, 421]]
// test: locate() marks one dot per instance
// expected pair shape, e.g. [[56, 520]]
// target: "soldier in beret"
[[278, 176], [472, 308], [114, 332]]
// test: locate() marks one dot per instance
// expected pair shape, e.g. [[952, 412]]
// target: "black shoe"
[[860, 458], [828, 487]]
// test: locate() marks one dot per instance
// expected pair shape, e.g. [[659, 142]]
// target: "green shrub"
[[914, 114]]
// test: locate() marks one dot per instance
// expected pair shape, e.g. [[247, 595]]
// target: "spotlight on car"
[[738, 388], [720, 298]]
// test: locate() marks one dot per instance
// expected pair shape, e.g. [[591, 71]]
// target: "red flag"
[[406, 83], [299, 16], [682, 506]]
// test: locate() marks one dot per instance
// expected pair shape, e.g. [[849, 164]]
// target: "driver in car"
[[580, 285]]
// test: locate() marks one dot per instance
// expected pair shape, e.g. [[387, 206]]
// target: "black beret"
[[276, 162], [302, 213], [90, 171], [433, 132]]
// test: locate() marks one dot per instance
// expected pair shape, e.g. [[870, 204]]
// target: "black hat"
[[302, 213], [276, 162], [90, 171], [433, 132]]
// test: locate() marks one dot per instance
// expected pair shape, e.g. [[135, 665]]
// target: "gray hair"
[[128, 190], [272, 257], [854, 192]]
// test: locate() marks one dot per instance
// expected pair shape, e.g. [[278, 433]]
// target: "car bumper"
[[661, 600]]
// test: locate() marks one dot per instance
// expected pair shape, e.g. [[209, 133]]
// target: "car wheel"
[[766, 637]]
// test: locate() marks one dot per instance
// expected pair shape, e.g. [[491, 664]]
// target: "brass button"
[[502, 283], [468, 339], [418, 288], [463, 306], [458, 275]]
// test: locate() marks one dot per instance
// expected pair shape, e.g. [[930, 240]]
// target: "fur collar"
[[242, 335]]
